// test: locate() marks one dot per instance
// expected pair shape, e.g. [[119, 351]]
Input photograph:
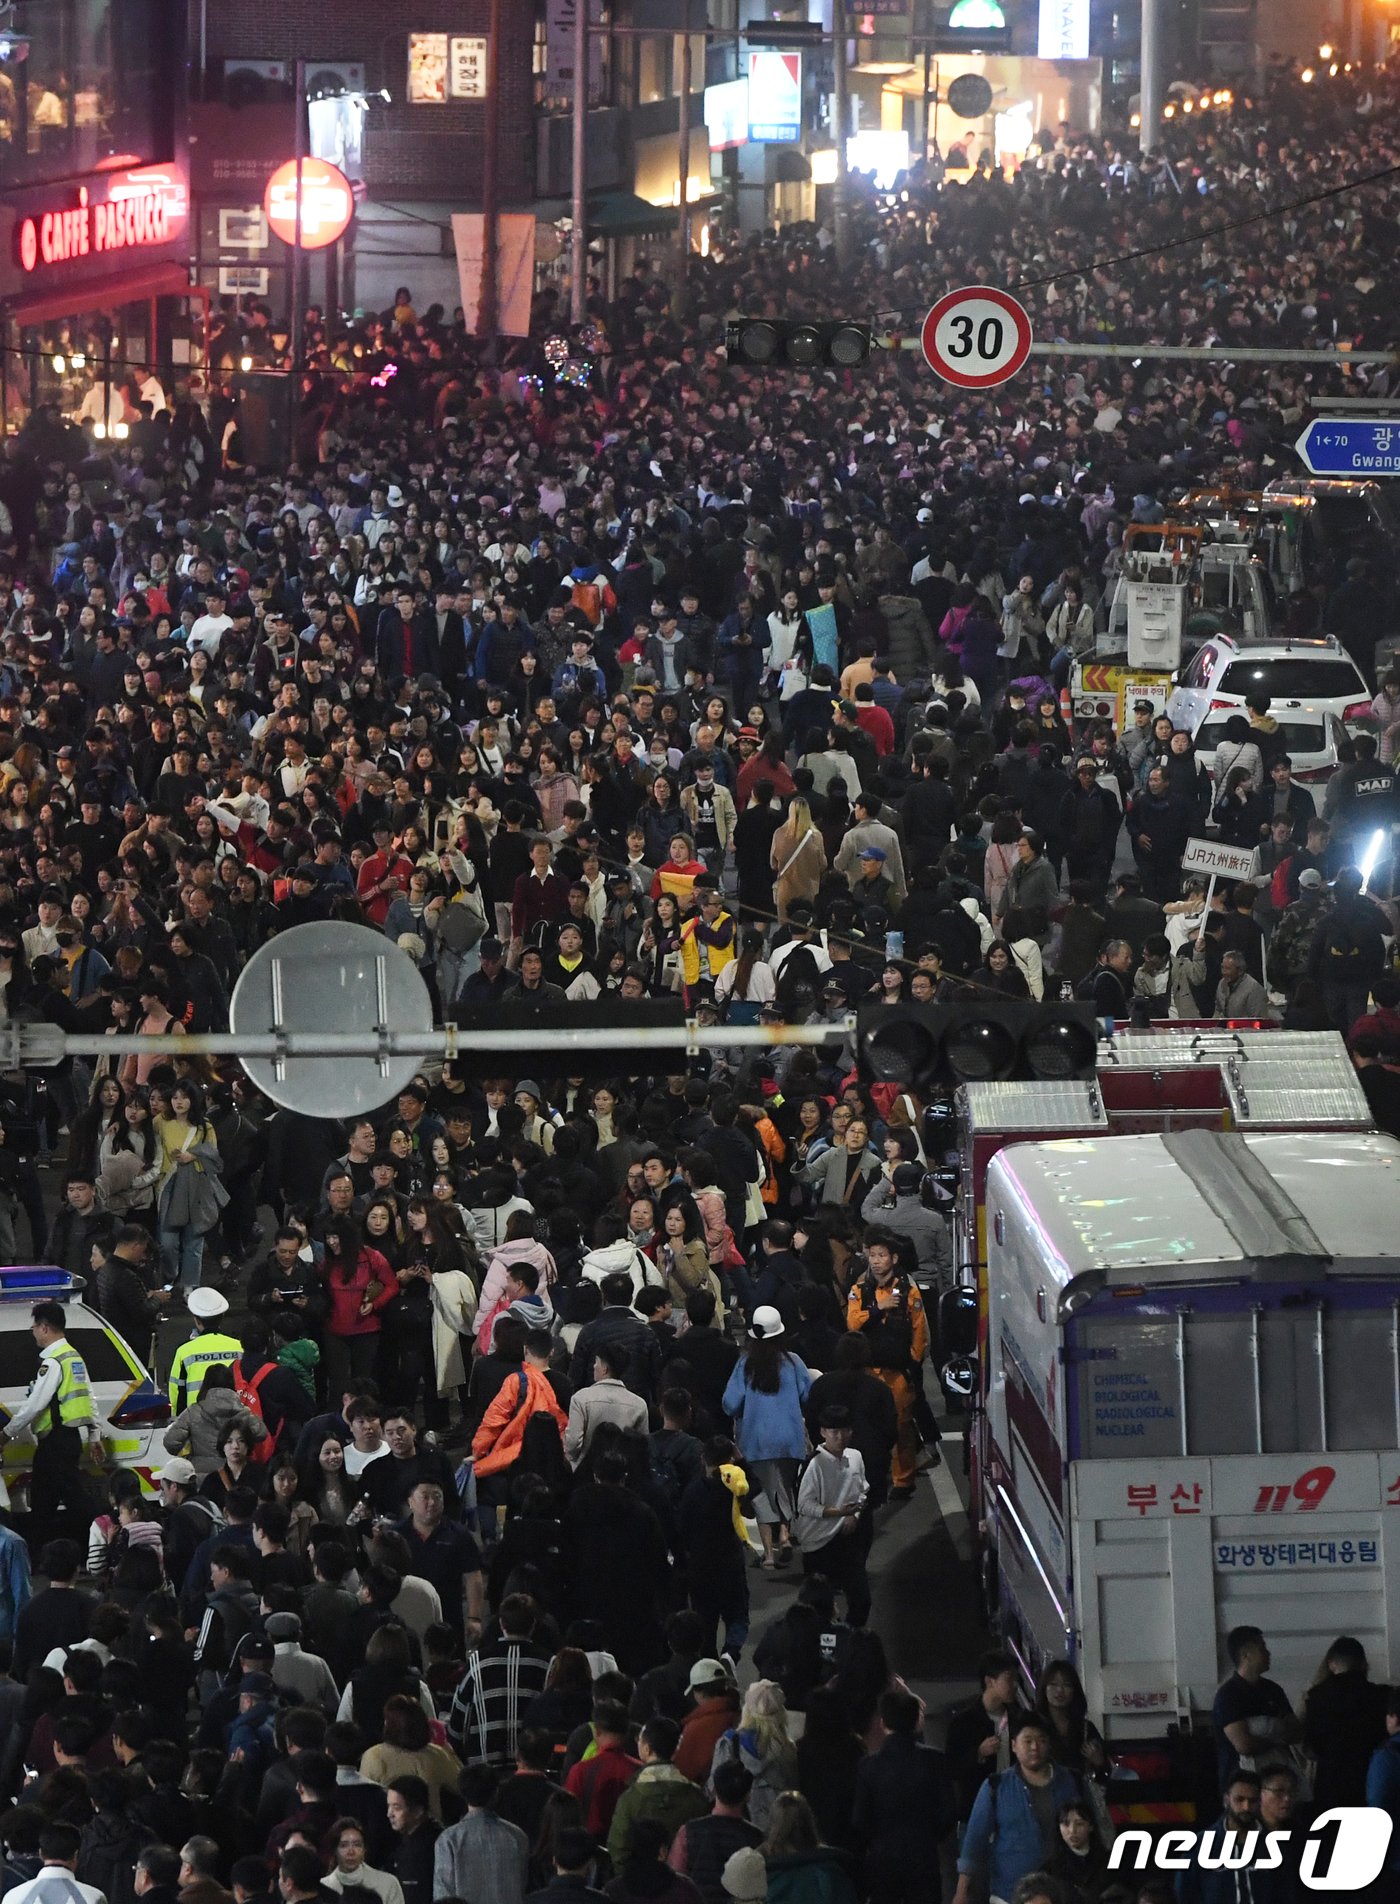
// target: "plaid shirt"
[[483, 1722], [482, 1858]]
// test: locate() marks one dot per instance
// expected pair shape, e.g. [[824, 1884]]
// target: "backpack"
[[590, 598], [664, 1472], [1278, 885], [246, 1388], [1339, 949]]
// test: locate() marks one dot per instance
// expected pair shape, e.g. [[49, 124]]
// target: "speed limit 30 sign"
[[977, 337]]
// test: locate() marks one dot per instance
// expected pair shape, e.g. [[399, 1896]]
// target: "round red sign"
[[977, 337], [327, 203]]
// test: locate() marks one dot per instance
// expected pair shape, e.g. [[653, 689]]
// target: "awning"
[[104, 294], [612, 214], [624, 215]]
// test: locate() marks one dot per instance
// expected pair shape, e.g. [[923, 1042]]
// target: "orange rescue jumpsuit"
[[866, 1295]]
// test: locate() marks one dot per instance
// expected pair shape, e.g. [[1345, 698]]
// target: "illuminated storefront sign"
[[142, 209]]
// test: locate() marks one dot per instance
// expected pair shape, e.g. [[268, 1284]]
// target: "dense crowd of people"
[[616, 674]]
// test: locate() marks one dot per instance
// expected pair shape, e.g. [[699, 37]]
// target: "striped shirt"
[[499, 1682]]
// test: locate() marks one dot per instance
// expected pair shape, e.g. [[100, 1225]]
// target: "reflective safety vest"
[[73, 1402], [193, 1361]]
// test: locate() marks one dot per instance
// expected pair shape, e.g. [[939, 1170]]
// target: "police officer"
[[59, 1411], [207, 1348]]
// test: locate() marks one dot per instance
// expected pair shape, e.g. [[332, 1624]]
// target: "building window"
[[85, 83], [654, 63]]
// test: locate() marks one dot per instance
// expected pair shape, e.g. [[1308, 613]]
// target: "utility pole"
[[841, 110], [683, 162], [578, 296], [488, 305], [1152, 90], [297, 319]]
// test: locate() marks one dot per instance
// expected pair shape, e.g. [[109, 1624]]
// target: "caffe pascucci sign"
[[141, 209]]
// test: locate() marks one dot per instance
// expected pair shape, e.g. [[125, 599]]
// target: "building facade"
[[95, 308], [414, 157]]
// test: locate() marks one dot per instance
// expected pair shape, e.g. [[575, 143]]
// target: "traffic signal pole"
[[1152, 86], [683, 166], [578, 253], [488, 304], [841, 111]]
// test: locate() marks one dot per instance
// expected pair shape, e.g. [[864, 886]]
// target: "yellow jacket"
[[719, 940]]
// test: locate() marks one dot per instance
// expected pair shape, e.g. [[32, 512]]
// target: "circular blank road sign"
[[327, 977], [977, 337]]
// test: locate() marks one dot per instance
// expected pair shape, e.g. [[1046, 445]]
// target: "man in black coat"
[[1159, 826], [417, 1835], [620, 1563], [574, 1854], [1131, 915], [928, 811], [709, 1355], [848, 1383], [405, 641], [1106, 986], [619, 1326], [122, 1292], [904, 1809]]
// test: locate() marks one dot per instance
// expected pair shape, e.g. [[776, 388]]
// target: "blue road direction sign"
[[1351, 446]]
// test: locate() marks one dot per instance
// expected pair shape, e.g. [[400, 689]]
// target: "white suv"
[[1316, 674], [133, 1411]]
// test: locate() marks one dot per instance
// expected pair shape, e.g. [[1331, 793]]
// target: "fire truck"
[[1063, 1574]]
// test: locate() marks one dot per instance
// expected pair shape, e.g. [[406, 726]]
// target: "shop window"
[[654, 62], [83, 85]]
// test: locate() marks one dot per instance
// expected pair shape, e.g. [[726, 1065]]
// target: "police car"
[[134, 1412]]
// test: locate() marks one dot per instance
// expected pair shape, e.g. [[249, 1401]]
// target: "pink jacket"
[[493, 1288]]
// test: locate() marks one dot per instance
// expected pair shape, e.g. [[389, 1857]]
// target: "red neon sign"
[[327, 203], [143, 207]]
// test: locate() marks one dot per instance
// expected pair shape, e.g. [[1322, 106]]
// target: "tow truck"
[[1180, 583]]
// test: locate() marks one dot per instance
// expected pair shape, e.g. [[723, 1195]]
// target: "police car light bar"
[[32, 1282]]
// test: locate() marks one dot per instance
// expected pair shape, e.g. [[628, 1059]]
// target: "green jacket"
[[301, 1357], [658, 1791]]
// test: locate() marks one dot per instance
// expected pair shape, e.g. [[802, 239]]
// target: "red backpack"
[[246, 1389]]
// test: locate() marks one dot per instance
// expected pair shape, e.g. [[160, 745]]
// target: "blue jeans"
[[182, 1255]]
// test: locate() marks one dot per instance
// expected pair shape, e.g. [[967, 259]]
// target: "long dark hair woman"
[[387, 1671], [1079, 1862], [103, 1112], [1001, 973], [1075, 1741], [358, 1283]]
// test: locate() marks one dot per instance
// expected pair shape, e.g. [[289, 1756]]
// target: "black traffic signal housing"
[[785, 33], [929, 1047], [543, 1030], [773, 343]]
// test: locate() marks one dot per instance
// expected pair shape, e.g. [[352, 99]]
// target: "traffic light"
[[544, 1038], [927, 1046], [785, 33], [796, 344]]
